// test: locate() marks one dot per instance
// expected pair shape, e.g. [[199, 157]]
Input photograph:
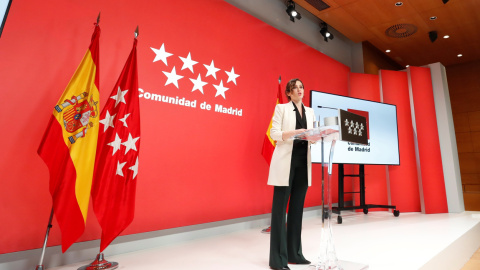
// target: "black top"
[[300, 147]]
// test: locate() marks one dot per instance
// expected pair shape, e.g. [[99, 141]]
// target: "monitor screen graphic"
[[382, 131]]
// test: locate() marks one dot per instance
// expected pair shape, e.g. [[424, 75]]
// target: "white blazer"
[[284, 119]]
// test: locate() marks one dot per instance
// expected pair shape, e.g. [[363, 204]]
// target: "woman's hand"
[[288, 134]]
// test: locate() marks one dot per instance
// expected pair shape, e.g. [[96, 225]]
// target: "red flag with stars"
[[116, 165]]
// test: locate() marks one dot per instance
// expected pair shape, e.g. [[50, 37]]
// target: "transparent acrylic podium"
[[327, 258]]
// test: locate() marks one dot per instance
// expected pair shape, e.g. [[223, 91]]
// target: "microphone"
[[325, 107], [328, 121]]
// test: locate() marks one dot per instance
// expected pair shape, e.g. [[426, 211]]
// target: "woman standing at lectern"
[[290, 174]]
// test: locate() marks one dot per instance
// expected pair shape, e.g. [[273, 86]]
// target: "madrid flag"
[[69, 144], [116, 165], [268, 142]]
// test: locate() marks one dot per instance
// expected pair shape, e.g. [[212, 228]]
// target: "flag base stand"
[[100, 264], [39, 267]]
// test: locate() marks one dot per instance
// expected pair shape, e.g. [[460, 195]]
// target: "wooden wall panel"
[[464, 87]]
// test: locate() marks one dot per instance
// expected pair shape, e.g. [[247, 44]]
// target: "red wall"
[[366, 86], [404, 189], [433, 185], [196, 166]]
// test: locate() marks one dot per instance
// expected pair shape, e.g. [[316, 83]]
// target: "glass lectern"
[[327, 258]]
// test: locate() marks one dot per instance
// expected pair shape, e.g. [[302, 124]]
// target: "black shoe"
[[280, 268], [304, 261]]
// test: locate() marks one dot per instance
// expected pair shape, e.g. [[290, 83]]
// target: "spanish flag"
[[268, 142], [69, 145]]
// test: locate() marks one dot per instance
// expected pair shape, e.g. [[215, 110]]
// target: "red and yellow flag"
[[69, 145], [268, 142]]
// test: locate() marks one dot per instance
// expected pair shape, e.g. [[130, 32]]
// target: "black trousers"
[[285, 241]]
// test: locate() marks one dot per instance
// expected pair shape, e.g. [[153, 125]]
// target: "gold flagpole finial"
[[98, 18], [136, 32], [279, 79]]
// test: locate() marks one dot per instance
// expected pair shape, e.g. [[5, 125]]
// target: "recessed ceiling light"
[[446, 36], [387, 51], [433, 18], [407, 65], [398, 4], [459, 55]]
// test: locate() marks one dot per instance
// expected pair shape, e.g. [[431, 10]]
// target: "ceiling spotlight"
[[325, 33], [446, 36], [292, 12], [459, 55], [432, 35], [387, 51], [433, 18], [398, 4]]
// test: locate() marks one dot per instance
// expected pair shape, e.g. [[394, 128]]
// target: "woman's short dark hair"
[[290, 86]]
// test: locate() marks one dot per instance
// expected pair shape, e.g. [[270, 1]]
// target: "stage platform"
[[378, 239]]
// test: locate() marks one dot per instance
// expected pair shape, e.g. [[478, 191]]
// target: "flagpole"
[[49, 226], [100, 263]]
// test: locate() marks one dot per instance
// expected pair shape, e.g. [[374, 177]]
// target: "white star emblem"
[[120, 96], [198, 84], [107, 121], [115, 144], [211, 70], [130, 143], [188, 63], [220, 89], [120, 167], [134, 168], [232, 77], [124, 119], [161, 54], [172, 77]]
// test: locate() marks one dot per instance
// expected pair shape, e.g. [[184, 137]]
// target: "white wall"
[[448, 141]]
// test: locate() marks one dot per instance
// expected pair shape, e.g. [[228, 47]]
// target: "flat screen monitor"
[[382, 130]]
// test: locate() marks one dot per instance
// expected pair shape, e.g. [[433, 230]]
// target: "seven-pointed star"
[[172, 77], [161, 54], [134, 168], [198, 84], [220, 89], [120, 96], [115, 144], [120, 167], [124, 119], [232, 77], [188, 62], [211, 70], [130, 143], [107, 121]]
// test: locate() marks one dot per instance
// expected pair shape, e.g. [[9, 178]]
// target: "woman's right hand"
[[288, 134]]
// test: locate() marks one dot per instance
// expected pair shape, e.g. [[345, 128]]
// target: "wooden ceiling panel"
[[378, 11], [367, 20], [340, 2], [379, 30], [424, 5], [339, 19]]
